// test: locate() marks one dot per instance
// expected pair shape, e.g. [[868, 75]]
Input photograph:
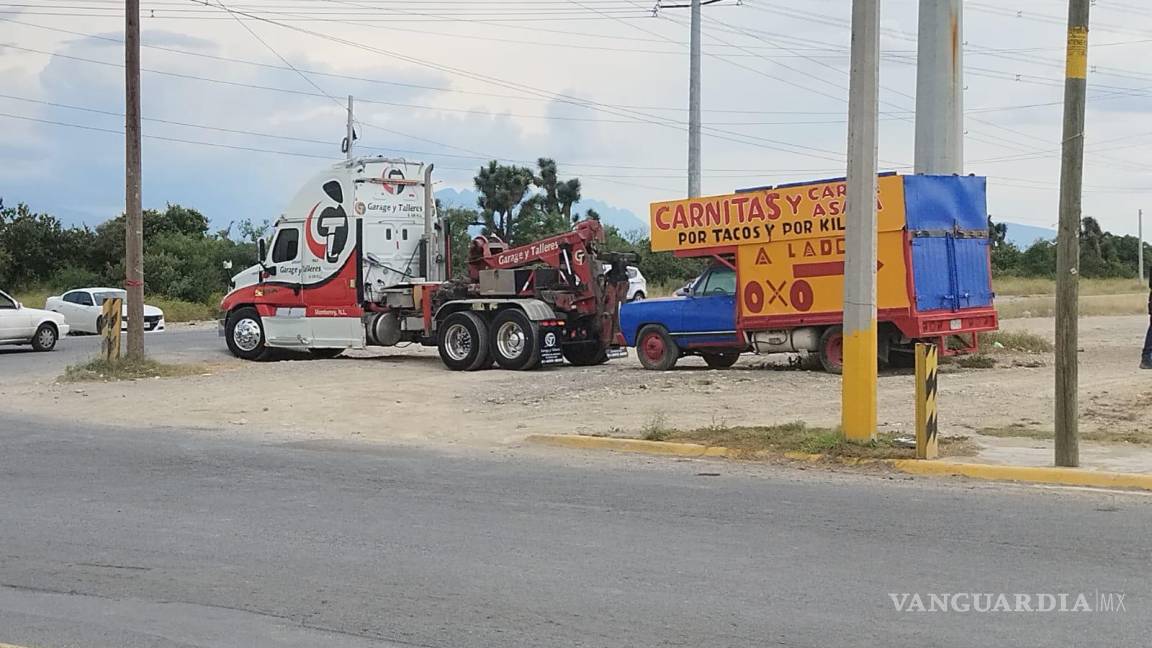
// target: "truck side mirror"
[[262, 250]]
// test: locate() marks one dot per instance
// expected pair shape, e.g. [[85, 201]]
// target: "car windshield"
[[111, 294]]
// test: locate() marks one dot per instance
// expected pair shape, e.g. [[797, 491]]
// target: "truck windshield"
[[720, 281]]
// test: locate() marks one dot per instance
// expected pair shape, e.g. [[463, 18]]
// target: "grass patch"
[[1090, 305], [101, 370], [977, 361], [1014, 341], [1022, 431], [795, 437], [1026, 286]]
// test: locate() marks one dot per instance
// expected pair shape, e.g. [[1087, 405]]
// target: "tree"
[[502, 189]]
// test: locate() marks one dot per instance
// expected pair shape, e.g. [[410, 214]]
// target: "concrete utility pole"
[[694, 104], [858, 395], [134, 220], [350, 132], [940, 88], [1140, 237], [1068, 242]]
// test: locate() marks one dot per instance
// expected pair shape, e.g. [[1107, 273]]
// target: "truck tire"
[[463, 344], [515, 341], [720, 360], [244, 332], [832, 350], [582, 354], [656, 349]]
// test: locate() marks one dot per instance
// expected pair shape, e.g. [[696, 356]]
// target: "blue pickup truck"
[[699, 320]]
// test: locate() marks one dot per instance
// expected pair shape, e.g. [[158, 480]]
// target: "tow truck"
[[361, 259]]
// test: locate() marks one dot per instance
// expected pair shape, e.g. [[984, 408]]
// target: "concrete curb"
[[991, 472]]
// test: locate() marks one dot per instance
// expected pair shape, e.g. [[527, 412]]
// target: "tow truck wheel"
[[245, 334], [464, 342], [720, 360], [832, 350], [514, 342], [585, 354], [656, 349]]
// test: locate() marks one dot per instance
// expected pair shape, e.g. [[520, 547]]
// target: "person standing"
[[1146, 359]]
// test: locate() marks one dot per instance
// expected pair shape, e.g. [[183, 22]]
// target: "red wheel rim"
[[836, 350], [653, 347]]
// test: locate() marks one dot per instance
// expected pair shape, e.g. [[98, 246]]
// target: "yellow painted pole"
[[927, 443], [111, 331], [858, 390]]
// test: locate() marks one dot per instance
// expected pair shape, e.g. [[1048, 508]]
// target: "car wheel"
[[514, 344], [656, 349], [45, 338], [832, 350], [639, 296], [463, 342], [720, 360], [244, 333]]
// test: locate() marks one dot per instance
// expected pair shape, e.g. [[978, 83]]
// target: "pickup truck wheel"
[[44, 338], [720, 360], [656, 349], [515, 341], [832, 350], [463, 342], [244, 332]]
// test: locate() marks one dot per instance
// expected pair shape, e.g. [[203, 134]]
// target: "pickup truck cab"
[[699, 320]]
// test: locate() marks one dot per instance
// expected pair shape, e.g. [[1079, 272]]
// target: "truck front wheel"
[[463, 342], [656, 349], [832, 350], [245, 334], [515, 341]]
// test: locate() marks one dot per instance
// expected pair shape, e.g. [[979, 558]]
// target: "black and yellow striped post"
[[927, 446], [111, 328]]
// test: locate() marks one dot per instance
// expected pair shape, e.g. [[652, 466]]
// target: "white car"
[[637, 284], [84, 307], [20, 325]]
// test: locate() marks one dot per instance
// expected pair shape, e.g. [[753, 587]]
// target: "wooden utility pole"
[[134, 219], [858, 390], [1068, 243]]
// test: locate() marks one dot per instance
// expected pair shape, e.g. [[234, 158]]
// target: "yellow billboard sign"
[[781, 214], [806, 276]]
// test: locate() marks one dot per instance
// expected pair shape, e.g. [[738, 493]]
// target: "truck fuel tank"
[[786, 341]]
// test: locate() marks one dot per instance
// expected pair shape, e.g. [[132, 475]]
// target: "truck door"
[[287, 326], [710, 311]]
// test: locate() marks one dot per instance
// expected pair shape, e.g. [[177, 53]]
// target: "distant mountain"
[[1025, 235], [623, 219]]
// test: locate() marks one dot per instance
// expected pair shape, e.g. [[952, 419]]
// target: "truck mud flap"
[[551, 353]]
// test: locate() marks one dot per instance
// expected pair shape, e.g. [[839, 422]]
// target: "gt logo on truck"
[[331, 227]]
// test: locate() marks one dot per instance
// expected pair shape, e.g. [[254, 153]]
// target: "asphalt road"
[[177, 345], [162, 538]]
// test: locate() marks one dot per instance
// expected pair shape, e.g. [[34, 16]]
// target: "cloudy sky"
[[599, 85]]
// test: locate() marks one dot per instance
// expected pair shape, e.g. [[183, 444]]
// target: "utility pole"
[[134, 220], [1140, 238], [940, 88], [350, 132], [858, 391], [694, 104], [1068, 242]]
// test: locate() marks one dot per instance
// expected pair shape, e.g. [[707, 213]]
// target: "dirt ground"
[[405, 395]]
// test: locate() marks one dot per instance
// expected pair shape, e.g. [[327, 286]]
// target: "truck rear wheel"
[[244, 332], [720, 360], [832, 350], [585, 354], [515, 340], [656, 349], [463, 342]]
